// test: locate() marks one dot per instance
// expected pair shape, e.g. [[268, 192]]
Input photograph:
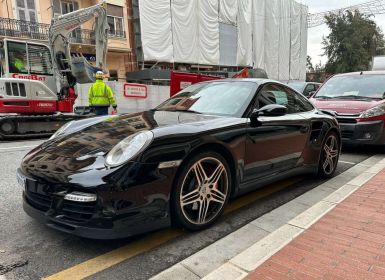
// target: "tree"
[[353, 41], [309, 64]]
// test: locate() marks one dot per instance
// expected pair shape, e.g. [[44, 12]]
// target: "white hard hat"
[[99, 75]]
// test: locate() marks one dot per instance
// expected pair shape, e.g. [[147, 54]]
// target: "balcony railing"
[[39, 31], [23, 29]]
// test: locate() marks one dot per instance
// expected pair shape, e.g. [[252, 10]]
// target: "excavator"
[[37, 81]]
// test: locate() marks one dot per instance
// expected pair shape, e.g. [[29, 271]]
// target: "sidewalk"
[[346, 243], [334, 231]]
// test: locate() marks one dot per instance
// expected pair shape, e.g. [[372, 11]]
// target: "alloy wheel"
[[204, 191], [330, 154]]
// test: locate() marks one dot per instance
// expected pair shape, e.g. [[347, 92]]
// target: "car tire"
[[201, 191], [329, 155]]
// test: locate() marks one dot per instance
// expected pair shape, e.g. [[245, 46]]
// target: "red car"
[[357, 101]]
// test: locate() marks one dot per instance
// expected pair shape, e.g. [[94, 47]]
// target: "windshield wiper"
[[352, 97], [323, 97]]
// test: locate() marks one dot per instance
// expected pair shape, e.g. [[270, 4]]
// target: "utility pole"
[[131, 35]]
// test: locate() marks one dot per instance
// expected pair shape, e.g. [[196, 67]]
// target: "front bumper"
[[118, 212], [118, 230], [366, 133]]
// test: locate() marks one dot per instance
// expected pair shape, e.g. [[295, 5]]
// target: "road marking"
[[347, 162], [102, 262], [256, 195], [107, 260], [20, 147]]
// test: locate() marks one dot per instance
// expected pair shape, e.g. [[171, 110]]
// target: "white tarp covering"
[[155, 24], [185, 30], [228, 11], [284, 42], [269, 34], [273, 8], [245, 39], [303, 54], [259, 26], [228, 38], [295, 32], [208, 32]]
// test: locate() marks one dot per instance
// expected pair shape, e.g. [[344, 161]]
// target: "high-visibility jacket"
[[19, 64], [99, 94]]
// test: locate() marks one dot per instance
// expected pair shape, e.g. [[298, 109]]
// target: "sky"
[[315, 34]]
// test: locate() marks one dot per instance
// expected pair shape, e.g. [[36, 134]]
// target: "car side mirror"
[[271, 110]]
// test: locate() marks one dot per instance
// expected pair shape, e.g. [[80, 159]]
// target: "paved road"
[[48, 251]]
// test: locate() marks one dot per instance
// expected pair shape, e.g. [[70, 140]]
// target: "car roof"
[[258, 81], [301, 82], [379, 72]]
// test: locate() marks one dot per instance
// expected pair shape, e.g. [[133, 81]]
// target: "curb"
[[216, 261], [249, 260]]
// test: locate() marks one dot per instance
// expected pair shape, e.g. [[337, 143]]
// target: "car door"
[[277, 143]]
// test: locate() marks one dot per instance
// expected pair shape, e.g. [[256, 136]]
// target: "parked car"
[[180, 163], [357, 101], [306, 88]]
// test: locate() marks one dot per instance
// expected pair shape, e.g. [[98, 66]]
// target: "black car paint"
[[135, 197]]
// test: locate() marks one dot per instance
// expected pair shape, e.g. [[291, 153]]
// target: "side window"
[[276, 94], [39, 60], [17, 55], [301, 103], [309, 88]]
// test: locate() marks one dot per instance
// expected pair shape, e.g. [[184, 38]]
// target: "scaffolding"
[[375, 7]]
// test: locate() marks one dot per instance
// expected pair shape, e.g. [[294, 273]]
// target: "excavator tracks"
[[19, 126]]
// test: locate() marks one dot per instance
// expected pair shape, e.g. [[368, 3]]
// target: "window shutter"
[[56, 7], [32, 16], [113, 10], [31, 4], [76, 6], [21, 15], [20, 4]]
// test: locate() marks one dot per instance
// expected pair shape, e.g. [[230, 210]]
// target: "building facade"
[[30, 19]]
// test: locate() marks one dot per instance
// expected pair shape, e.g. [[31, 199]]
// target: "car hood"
[[100, 138], [344, 106]]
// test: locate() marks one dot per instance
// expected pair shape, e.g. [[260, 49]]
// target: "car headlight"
[[61, 130], [129, 148], [374, 112]]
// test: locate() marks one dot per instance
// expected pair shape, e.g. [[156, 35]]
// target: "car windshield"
[[217, 98], [353, 87], [298, 86]]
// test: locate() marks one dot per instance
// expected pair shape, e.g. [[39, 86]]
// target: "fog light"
[[368, 135], [80, 197]]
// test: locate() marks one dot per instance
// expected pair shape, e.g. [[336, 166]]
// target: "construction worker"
[[18, 65], [100, 96]]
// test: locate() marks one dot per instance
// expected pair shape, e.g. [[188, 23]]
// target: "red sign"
[[28, 77], [135, 91], [181, 80]]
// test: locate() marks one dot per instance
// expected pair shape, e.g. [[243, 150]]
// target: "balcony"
[[39, 31]]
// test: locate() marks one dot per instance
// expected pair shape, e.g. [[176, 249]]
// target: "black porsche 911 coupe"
[[180, 163]]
